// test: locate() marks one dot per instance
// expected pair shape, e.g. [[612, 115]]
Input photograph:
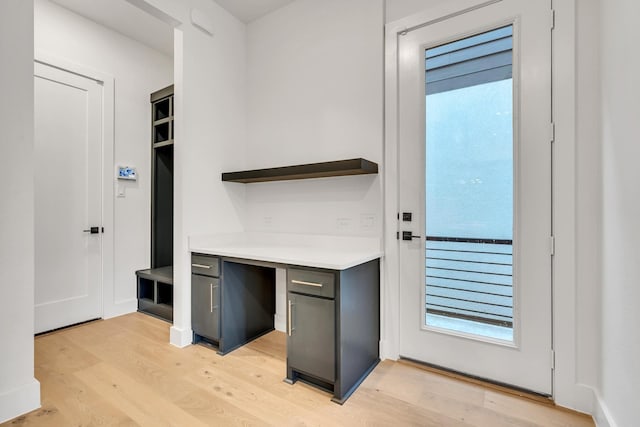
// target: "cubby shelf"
[[155, 292], [312, 170]]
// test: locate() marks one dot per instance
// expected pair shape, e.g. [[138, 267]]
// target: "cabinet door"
[[205, 306], [311, 345]]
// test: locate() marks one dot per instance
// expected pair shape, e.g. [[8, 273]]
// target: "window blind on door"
[[475, 60]]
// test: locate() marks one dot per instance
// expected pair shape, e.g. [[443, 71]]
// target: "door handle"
[[211, 288], [208, 267], [290, 321], [93, 230], [408, 235], [301, 282]]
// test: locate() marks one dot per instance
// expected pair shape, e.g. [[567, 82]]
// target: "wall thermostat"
[[127, 172]]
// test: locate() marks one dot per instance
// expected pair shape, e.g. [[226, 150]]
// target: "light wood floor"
[[123, 372]]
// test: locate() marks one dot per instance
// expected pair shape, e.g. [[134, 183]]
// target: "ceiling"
[[127, 19], [250, 10]]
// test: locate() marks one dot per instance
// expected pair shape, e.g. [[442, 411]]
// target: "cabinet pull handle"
[[201, 266], [289, 317], [300, 282], [211, 297]]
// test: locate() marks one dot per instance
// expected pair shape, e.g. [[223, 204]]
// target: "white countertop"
[[321, 251]]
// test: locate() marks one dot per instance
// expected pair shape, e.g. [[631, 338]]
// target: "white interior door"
[[68, 195], [475, 171]]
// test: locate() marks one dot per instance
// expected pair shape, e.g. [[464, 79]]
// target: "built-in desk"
[[332, 301]]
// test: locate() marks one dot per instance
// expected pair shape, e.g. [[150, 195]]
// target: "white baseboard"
[[280, 322], [385, 351], [602, 416], [19, 401], [180, 337], [119, 308]]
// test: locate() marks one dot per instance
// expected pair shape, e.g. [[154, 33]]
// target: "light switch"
[[120, 190]]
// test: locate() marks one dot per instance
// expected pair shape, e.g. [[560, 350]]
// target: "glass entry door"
[[469, 184], [475, 173]]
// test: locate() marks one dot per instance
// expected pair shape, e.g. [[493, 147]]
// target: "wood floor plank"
[[543, 415], [142, 403], [58, 353], [123, 372], [464, 402], [45, 416]]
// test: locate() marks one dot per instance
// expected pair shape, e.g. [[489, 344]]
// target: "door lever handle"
[[92, 230], [408, 235]]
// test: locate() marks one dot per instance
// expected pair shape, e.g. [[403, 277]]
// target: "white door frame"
[[108, 171], [567, 389]]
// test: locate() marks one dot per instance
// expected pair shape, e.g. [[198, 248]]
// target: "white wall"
[[397, 9], [588, 196], [315, 94], [621, 210], [19, 391], [137, 70]]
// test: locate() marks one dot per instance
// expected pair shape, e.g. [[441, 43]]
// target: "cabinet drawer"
[[312, 282], [205, 265]]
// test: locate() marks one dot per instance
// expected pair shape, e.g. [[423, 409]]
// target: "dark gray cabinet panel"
[[311, 282], [205, 265], [205, 306], [312, 342], [248, 303]]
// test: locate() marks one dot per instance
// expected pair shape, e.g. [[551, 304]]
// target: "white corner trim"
[[156, 12], [202, 21], [180, 337], [601, 414], [19, 401]]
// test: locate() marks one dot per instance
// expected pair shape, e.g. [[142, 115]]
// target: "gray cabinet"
[[205, 297], [205, 306], [333, 326], [312, 339]]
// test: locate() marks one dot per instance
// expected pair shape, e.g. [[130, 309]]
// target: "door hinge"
[[553, 359], [552, 132], [552, 19], [552, 245]]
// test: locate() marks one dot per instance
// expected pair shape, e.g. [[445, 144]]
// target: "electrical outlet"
[[367, 221], [343, 223]]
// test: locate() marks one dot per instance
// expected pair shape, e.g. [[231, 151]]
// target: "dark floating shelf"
[[312, 170]]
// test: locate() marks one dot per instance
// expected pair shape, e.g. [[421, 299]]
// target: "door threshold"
[[483, 382], [41, 334]]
